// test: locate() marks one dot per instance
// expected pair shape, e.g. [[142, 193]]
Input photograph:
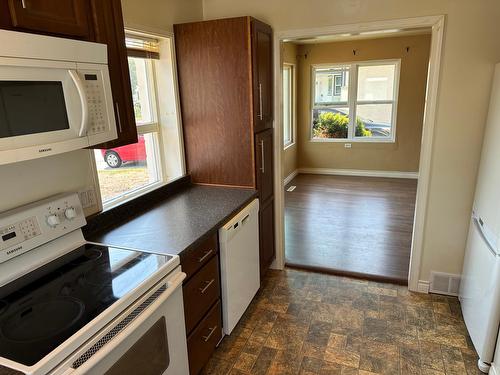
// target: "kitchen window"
[[355, 102], [131, 170], [288, 105]]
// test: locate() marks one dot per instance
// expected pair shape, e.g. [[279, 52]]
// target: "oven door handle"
[[111, 345], [82, 93]]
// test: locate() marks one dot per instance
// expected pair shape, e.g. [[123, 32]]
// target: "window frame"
[[335, 86], [152, 127], [293, 106], [353, 101]]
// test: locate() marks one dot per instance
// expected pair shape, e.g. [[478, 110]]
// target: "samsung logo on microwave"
[[45, 149]]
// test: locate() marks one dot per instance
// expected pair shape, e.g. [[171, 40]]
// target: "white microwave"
[[55, 96]]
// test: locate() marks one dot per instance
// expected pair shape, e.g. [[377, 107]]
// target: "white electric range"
[[68, 306]]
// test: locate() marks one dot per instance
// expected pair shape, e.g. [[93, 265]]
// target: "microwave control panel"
[[96, 102], [28, 227]]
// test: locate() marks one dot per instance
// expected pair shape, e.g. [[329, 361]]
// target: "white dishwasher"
[[239, 258]]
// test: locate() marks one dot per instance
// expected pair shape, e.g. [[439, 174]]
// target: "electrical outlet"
[[347, 145], [88, 198]]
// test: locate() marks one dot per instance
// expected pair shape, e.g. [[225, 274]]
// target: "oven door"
[[149, 338]]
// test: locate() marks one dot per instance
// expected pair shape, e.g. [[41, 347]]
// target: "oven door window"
[[148, 356], [32, 107]]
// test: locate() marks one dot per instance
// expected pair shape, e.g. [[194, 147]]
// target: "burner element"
[[42, 320]]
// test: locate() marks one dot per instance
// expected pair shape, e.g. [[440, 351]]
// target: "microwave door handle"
[[82, 92], [142, 318]]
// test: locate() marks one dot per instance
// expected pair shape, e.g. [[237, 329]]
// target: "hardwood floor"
[[357, 226]]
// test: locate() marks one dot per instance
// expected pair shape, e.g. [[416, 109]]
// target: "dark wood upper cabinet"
[[262, 55], [91, 20], [109, 29], [66, 18]]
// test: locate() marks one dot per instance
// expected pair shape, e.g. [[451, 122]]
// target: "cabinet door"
[[215, 85], [264, 164], [262, 60], [109, 29], [266, 234], [68, 17]]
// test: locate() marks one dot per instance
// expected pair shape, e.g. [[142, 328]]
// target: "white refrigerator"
[[480, 284]]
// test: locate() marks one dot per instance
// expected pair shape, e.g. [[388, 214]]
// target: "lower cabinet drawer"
[[203, 340], [201, 292]]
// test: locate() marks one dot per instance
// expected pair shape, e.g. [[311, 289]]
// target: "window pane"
[[330, 123], [373, 120], [127, 168], [331, 85], [376, 82], [139, 70], [287, 105]]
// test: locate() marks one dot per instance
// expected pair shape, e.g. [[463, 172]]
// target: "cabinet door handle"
[[261, 116], [23, 4], [211, 332], [118, 117], [205, 256], [207, 285], [262, 162]]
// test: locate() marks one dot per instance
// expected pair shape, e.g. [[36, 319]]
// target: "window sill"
[[131, 195], [288, 145], [339, 140]]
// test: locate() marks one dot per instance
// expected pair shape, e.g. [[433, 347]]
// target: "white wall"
[[471, 48], [32, 180], [25, 182]]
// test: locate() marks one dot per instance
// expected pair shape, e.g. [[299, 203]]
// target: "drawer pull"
[[207, 337], [207, 285], [205, 256]]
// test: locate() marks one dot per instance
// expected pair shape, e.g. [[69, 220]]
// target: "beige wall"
[[471, 47], [25, 182], [402, 155], [160, 15], [290, 161]]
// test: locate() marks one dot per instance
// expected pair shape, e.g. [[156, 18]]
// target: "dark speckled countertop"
[[178, 222]]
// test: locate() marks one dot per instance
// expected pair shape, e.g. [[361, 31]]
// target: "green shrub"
[[334, 125]]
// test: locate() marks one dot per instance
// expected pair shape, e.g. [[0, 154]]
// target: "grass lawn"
[[116, 181]]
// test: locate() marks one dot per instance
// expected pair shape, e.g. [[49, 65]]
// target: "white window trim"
[[142, 129], [352, 101], [294, 105]]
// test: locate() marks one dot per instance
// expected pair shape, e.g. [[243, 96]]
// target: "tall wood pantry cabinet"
[[226, 90], [89, 20]]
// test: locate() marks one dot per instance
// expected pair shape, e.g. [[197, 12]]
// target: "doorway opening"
[[352, 111]]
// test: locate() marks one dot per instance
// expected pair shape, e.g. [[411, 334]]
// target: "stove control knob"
[[53, 220], [70, 213]]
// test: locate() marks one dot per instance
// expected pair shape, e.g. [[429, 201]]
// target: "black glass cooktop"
[[42, 309]]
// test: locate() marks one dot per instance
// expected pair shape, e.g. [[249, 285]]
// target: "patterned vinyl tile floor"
[[309, 323]]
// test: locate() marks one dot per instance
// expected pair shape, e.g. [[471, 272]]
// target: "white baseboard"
[[290, 177], [423, 286], [359, 172]]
